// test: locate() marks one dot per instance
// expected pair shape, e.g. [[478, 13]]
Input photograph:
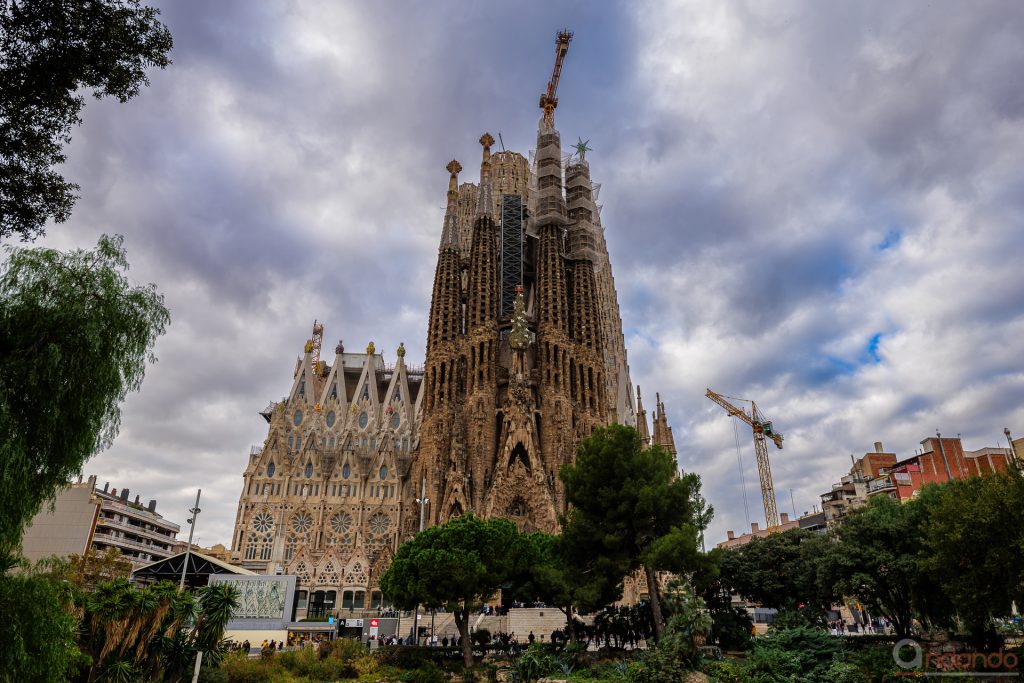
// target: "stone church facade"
[[525, 356]]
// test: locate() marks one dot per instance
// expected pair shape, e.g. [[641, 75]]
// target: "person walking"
[[531, 637]]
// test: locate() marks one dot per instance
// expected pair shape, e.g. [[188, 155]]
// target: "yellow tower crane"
[[763, 430], [549, 100], [315, 343]]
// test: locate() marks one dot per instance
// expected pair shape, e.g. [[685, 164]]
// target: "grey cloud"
[[289, 166]]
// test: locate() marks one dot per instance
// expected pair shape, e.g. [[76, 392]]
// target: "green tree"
[[730, 626], [781, 571], [550, 574], [74, 340], [89, 570], [37, 629], [455, 565], [629, 509], [53, 52], [152, 633], [876, 559], [975, 547]]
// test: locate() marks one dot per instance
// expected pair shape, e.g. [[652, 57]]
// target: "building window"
[[271, 469], [309, 470], [300, 599]]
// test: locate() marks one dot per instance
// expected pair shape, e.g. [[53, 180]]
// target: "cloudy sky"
[[816, 205]]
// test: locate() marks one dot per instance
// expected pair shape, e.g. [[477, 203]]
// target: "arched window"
[[346, 471], [270, 469], [309, 470], [383, 472]]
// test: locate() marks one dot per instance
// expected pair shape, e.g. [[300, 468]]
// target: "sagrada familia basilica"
[[524, 358]]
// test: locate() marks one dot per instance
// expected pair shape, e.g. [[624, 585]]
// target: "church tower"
[[442, 453], [481, 335], [525, 357]]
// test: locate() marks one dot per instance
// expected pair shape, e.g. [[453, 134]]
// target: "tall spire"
[[450, 232], [662, 432], [641, 419], [485, 202]]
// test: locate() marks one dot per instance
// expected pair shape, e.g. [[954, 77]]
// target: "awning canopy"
[[200, 567]]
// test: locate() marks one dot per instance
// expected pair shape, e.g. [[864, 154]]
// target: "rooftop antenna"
[[502, 142]]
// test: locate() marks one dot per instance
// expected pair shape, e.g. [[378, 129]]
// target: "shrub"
[[730, 628], [844, 672], [535, 663], [788, 619], [345, 649], [481, 637], [240, 669], [793, 655], [426, 673], [403, 656], [725, 671]]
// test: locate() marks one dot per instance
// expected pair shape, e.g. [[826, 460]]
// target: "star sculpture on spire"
[[582, 149]]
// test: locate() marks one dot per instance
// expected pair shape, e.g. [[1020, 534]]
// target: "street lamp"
[[188, 549], [1009, 440]]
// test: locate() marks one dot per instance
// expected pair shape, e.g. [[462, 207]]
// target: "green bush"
[[875, 662], [845, 672], [794, 656], [345, 649], [536, 662], [788, 619], [725, 671], [730, 629], [307, 662], [240, 669], [425, 673]]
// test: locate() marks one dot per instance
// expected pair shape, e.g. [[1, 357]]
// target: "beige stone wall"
[[65, 530]]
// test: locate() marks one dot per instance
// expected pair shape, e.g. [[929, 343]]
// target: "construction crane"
[[549, 100], [315, 343], [763, 430]]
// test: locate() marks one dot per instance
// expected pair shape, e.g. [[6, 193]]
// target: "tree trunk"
[[570, 627], [652, 590], [462, 622]]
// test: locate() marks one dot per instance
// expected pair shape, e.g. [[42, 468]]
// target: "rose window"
[[302, 522], [263, 522], [341, 522], [379, 523]]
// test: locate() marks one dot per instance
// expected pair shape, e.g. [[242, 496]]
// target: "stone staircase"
[[541, 620]]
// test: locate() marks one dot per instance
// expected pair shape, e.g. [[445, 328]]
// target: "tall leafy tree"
[[53, 52], [37, 629], [781, 571], [75, 337], [629, 509], [876, 559], [455, 565], [975, 547], [564, 577]]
